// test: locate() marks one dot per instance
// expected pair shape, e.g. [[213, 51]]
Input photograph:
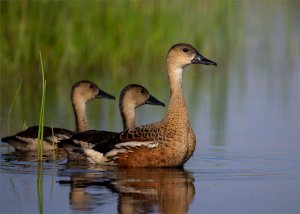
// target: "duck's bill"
[[103, 94], [199, 59], [153, 101]]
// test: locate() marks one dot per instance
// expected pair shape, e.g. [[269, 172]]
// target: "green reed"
[[53, 176], [39, 184], [53, 143], [11, 106], [40, 142], [42, 115]]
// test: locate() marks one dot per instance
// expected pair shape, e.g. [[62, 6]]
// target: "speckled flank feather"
[[147, 146], [191, 143]]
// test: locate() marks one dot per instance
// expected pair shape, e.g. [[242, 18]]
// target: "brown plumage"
[[167, 143], [131, 97], [82, 92]]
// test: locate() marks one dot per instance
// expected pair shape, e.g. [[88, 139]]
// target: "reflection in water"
[[39, 183], [32, 156], [139, 190]]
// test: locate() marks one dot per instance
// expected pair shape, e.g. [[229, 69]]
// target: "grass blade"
[[42, 116], [12, 105], [52, 139]]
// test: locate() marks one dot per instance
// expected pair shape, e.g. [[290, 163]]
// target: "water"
[[214, 181], [245, 114]]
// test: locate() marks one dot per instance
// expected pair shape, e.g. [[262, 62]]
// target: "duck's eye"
[[143, 91], [91, 86], [185, 49]]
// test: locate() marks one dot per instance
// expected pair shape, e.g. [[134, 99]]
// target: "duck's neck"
[[81, 121], [127, 111], [177, 107]]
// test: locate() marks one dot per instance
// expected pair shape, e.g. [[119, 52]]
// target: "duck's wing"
[[140, 136], [75, 145], [31, 133], [27, 140], [93, 136], [48, 131], [107, 144], [128, 141]]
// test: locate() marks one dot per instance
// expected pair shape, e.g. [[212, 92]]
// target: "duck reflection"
[[33, 157], [144, 190]]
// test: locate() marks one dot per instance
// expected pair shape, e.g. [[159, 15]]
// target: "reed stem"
[[42, 115], [12, 105]]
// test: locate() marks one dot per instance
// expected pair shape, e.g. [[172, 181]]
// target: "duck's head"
[[135, 95], [181, 55], [85, 91]]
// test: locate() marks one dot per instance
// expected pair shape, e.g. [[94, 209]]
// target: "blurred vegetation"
[[110, 42], [114, 43], [102, 38]]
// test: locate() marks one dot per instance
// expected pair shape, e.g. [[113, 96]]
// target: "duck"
[[169, 142], [82, 92], [131, 97]]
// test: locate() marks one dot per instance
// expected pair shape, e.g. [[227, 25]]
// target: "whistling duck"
[[82, 92], [131, 97], [167, 143]]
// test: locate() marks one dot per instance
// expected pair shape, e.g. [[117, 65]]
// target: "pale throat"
[[128, 115], [175, 78], [177, 106], [79, 108]]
